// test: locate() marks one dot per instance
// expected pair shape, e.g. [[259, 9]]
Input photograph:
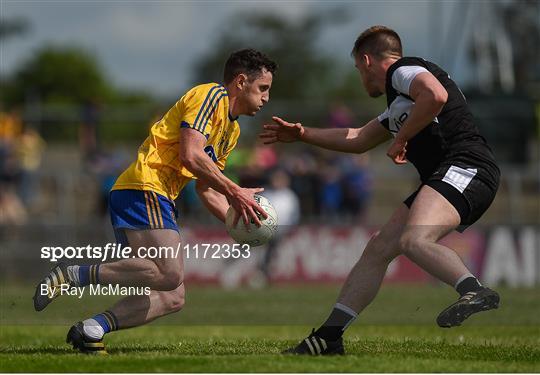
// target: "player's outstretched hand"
[[281, 131], [246, 207]]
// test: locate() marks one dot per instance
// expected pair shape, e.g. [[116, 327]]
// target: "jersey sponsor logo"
[[400, 120], [398, 112]]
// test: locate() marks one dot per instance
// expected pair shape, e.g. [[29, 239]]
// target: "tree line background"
[[52, 86]]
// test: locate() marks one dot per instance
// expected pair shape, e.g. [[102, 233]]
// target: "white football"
[[257, 236]]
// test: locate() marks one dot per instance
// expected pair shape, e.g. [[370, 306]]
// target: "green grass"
[[244, 331]]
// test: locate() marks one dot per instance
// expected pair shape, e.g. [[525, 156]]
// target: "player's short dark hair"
[[378, 41], [249, 62]]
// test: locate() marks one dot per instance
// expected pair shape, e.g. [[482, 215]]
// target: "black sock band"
[[338, 321], [469, 284]]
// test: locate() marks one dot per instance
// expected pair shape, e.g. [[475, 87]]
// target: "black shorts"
[[470, 190]]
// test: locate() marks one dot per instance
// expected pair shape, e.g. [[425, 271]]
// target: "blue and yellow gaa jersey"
[[204, 108]]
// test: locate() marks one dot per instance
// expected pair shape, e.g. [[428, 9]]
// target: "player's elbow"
[[433, 97], [439, 97]]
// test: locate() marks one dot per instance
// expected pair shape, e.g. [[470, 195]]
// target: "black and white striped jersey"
[[451, 135]]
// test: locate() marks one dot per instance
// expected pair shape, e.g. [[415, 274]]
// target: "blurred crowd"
[[21, 151], [307, 183], [330, 186]]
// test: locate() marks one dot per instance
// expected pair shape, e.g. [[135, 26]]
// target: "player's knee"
[[169, 279], [380, 248], [172, 279], [410, 243]]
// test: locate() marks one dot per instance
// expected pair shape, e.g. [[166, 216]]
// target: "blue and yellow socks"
[[96, 327], [83, 275]]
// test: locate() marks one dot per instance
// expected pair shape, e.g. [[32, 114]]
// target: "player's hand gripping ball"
[[257, 236]]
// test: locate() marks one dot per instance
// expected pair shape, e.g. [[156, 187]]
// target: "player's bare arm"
[[429, 99], [193, 157], [214, 201], [351, 140]]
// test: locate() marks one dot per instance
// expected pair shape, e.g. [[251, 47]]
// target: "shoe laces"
[[467, 296]]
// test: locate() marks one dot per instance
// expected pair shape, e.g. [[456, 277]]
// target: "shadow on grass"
[[162, 349], [118, 350], [38, 350]]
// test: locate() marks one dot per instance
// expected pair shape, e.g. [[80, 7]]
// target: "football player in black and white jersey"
[[431, 126]]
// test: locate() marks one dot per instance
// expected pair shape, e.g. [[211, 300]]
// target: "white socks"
[[73, 275], [92, 329]]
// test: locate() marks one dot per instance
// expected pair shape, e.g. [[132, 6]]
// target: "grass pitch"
[[244, 331]]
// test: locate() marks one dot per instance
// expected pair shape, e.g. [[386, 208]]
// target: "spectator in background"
[[30, 148], [264, 157], [331, 191], [340, 116], [302, 168], [105, 168], [12, 211], [10, 126], [237, 162], [357, 186], [354, 191], [254, 172], [88, 130], [287, 208], [189, 204]]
